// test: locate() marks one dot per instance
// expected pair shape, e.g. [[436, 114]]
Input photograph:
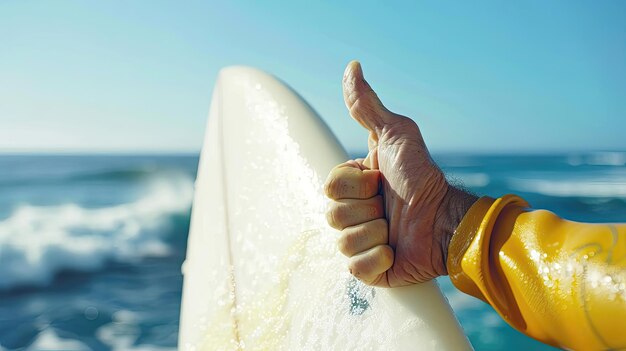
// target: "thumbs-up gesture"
[[395, 209]]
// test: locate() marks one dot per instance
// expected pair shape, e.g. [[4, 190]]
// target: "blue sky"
[[137, 76]]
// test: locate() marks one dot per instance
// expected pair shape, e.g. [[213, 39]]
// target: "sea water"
[[91, 246]]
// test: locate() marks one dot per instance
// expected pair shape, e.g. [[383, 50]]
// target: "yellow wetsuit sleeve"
[[558, 281]]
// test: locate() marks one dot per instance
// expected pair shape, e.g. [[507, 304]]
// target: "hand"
[[395, 209]]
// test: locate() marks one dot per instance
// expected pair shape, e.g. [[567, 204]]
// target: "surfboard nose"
[[250, 90], [235, 72]]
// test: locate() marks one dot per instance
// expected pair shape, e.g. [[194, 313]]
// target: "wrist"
[[452, 209]]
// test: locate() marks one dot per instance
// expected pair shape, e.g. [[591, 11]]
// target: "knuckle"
[[406, 121], [327, 186], [407, 124], [331, 216], [336, 215], [330, 187], [337, 184], [343, 244], [355, 238], [354, 163]]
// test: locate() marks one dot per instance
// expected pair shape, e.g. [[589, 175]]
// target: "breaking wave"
[[37, 242]]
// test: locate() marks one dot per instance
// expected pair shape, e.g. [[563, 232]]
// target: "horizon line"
[[355, 152]]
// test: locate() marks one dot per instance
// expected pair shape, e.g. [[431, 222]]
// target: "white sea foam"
[[593, 188], [37, 242], [598, 159], [123, 332], [49, 340], [117, 336]]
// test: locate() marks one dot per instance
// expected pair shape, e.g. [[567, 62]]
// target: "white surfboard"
[[262, 269]]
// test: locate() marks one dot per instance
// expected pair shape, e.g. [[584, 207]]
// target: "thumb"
[[362, 102]]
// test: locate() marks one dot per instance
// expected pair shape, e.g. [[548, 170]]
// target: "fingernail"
[[352, 69]]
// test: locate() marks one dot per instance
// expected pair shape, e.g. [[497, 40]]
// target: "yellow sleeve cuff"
[[469, 253]]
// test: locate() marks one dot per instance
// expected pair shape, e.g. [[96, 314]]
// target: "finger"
[[359, 160], [356, 163], [352, 183], [349, 212], [370, 266], [362, 102], [363, 237]]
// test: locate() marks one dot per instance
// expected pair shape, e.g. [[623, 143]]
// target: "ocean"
[[91, 246]]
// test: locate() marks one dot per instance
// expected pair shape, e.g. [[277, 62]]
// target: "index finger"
[[348, 181]]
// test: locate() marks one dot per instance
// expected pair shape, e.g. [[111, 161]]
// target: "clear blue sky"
[[137, 76]]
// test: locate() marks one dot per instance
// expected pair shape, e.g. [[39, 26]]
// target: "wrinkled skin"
[[395, 208]]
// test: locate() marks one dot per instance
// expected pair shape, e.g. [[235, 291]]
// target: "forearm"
[[558, 281]]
